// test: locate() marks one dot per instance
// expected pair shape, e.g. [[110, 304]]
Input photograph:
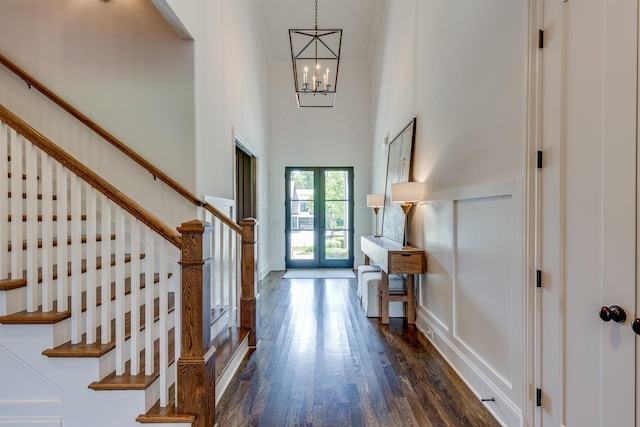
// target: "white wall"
[[339, 136], [461, 69], [231, 95]]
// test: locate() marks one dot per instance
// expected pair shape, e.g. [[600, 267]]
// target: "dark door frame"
[[319, 223]]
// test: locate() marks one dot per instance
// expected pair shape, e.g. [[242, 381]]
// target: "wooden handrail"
[[157, 173], [90, 177]]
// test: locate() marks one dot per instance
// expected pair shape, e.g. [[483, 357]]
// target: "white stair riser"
[[63, 328], [15, 300], [108, 361], [152, 393]]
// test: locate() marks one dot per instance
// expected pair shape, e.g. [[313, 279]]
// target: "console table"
[[393, 259]]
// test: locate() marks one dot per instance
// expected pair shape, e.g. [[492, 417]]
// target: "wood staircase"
[[147, 324]]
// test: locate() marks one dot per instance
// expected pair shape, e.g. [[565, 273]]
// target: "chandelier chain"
[[316, 14]]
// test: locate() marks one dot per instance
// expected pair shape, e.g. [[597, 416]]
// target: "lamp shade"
[[375, 200], [406, 192]]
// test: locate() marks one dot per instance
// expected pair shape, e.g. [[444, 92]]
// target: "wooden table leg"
[[384, 304], [366, 259], [411, 304]]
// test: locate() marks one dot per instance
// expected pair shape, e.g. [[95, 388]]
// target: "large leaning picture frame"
[[398, 170]]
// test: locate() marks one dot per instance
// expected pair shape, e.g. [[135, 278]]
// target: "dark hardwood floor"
[[321, 362]]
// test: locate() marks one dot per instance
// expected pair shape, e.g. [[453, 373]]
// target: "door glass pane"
[[336, 245], [335, 185], [336, 214], [302, 244], [301, 187]]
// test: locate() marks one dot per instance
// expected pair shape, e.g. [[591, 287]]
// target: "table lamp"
[[406, 193], [375, 201]]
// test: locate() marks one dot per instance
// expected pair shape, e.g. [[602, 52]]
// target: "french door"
[[319, 217]]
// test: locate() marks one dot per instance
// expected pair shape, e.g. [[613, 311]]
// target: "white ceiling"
[[359, 20]]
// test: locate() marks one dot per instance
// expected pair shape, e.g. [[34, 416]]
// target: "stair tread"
[[9, 283], [165, 414], [226, 344], [55, 316], [54, 218], [37, 317], [140, 381], [55, 241], [97, 349]]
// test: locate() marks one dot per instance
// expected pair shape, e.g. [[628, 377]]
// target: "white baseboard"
[[232, 368], [503, 409]]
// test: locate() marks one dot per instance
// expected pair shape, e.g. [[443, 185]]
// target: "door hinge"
[[538, 279], [538, 397], [539, 159], [540, 39]]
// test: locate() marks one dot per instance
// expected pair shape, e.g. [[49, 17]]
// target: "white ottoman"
[[362, 270], [371, 295]]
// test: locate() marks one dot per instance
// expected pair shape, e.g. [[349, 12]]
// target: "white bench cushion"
[[362, 270], [371, 295]]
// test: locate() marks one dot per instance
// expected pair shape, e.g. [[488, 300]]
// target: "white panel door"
[[589, 213]]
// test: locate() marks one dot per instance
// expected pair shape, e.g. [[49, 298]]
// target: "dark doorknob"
[[614, 313], [635, 325]]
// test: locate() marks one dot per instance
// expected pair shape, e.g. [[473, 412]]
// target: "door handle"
[[635, 325], [614, 313]]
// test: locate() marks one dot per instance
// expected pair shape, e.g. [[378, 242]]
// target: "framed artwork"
[[398, 170]]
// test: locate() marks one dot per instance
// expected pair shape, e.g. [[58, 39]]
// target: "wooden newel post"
[[248, 304], [196, 365]]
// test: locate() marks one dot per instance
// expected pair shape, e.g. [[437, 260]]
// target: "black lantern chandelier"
[[315, 55]]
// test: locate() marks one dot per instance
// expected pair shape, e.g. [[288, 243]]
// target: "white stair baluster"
[[216, 264], [163, 329], [221, 264], [228, 267], [135, 296], [61, 234], [231, 250], [105, 272], [31, 171], [91, 275], [76, 259], [176, 287], [46, 234], [238, 281], [120, 300], [149, 269], [16, 206], [4, 207]]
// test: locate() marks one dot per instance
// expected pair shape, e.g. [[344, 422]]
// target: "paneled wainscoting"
[[473, 303], [321, 362]]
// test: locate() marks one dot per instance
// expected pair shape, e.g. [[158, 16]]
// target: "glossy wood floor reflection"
[[321, 362]]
